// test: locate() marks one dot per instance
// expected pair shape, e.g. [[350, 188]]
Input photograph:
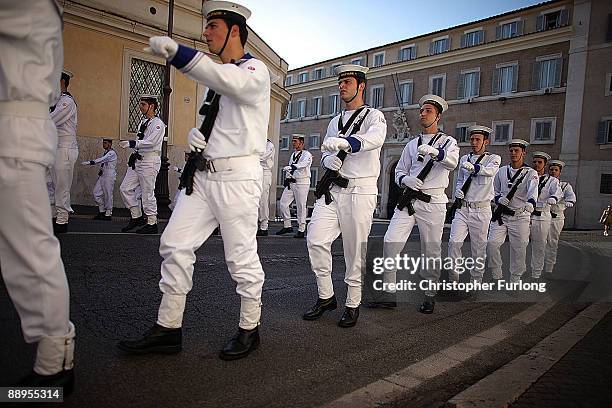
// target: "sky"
[[304, 32]]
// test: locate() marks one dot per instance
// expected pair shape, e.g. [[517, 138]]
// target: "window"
[[543, 130], [357, 61], [608, 90], [605, 186], [318, 73], [314, 177], [547, 72], [289, 80], [407, 53], [509, 29], [379, 59], [505, 78], [604, 131], [333, 68], [552, 19], [301, 110], [283, 143], [145, 78], [502, 132], [437, 85], [439, 45], [376, 96], [280, 180], [334, 104], [461, 132], [405, 89], [288, 116], [468, 85], [314, 141], [472, 38], [316, 106], [303, 77]]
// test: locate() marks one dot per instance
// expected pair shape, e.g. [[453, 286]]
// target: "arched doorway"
[[394, 192]]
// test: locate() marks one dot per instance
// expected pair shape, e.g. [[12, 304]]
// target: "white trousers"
[[475, 222], [103, 194], [552, 243], [430, 220], [60, 183], [30, 263], [517, 229], [299, 192], [142, 176], [264, 202], [232, 205], [540, 228], [349, 215]]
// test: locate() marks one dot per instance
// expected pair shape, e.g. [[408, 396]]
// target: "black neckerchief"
[[433, 140], [143, 128], [296, 158], [511, 179], [342, 129], [479, 159]]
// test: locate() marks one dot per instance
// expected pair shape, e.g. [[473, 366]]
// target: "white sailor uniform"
[[557, 212], [548, 192], [104, 188], [298, 190], [267, 163]]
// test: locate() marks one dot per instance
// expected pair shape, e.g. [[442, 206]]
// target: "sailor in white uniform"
[[267, 163], [103, 190], [347, 205], [226, 192]]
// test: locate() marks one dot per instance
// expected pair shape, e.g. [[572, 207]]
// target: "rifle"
[[502, 209], [450, 213]]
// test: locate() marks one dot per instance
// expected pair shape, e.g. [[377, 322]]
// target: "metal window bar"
[[145, 78]]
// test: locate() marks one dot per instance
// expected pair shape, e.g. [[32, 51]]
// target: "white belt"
[[150, 154], [362, 181], [433, 191], [477, 204], [25, 108], [231, 163]]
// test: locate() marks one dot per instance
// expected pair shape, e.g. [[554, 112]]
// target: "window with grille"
[[547, 72], [439, 46], [145, 78], [605, 186], [406, 93], [472, 38]]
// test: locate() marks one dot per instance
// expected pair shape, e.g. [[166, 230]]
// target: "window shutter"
[[540, 22], [399, 55], [476, 92], [463, 40], [458, 134], [519, 27], [448, 44], [461, 86], [515, 78], [495, 89], [601, 132], [498, 32], [564, 18], [535, 75], [414, 52], [409, 99], [558, 70], [480, 37], [431, 48]]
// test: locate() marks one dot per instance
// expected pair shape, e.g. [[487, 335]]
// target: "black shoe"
[[60, 228], [284, 231], [320, 307], [349, 317], [134, 222], [381, 305], [157, 339], [147, 229], [428, 304], [241, 344], [262, 233], [99, 216], [64, 379], [299, 234]]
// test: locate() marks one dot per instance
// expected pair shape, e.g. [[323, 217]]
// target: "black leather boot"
[[60, 228], [349, 317], [64, 379], [241, 344], [157, 339], [428, 304], [134, 222], [299, 234], [262, 233], [99, 216], [284, 231], [147, 229], [320, 307]]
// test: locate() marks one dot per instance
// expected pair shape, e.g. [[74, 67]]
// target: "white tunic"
[[550, 188], [481, 188], [567, 195], [301, 173], [527, 190], [267, 158], [108, 163], [153, 136], [65, 118]]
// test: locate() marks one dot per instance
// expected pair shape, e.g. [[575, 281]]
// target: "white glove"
[[332, 162], [503, 201], [551, 201], [569, 204], [287, 168], [124, 144], [468, 166], [426, 149], [529, 208], [412, 182], [85, 163], [162, 46], [196, 140], [459, 194], [333, 144]]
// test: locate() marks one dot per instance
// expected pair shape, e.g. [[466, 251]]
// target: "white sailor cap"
[[483, 130], [225, 9], [69, 74], [559, 163], [542, 155], [351, 70], [297, 136], [434, 100], [518, 143], [148, 96]]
